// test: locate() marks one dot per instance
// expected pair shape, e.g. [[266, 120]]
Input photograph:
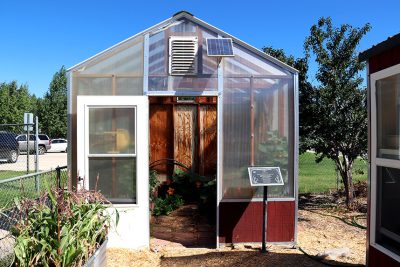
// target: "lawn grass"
[[321, 177], [11, 174]]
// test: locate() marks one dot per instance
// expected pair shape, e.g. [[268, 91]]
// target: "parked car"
[[58, 145], [9, 149], [44, 143]]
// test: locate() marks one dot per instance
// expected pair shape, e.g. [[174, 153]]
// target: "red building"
[[383, 240]]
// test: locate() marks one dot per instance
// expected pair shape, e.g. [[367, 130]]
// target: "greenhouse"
[[185, 93]]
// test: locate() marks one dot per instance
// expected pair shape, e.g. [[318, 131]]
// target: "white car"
[[58, 145]]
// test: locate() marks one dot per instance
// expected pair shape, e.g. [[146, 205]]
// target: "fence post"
[[58, 177], [37, 179]]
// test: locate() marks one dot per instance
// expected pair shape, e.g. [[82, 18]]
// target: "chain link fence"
[[17, 155], [30, 186]]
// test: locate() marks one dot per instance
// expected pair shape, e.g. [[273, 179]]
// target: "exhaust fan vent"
[[183, 55]]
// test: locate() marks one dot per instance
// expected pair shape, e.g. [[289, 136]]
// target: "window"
[[112, 153], [385, 161]]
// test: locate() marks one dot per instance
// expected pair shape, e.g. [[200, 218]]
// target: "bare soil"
[[323, 224]]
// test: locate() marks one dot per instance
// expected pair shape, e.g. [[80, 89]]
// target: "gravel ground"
[[319, 230]]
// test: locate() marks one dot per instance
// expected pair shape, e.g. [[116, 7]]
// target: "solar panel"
[[221, 47]]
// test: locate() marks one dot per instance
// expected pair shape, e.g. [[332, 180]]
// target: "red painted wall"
[[385, 60], [379, 259], [376, 63], [242, 221]]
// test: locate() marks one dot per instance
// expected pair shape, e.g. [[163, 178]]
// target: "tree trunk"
[[345, 168], [349, 187]]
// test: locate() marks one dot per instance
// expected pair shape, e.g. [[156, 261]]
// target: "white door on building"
[[112, 157]]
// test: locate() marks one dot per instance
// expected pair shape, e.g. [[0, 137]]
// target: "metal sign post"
[[265, 176]]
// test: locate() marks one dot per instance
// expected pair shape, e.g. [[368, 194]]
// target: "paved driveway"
[[46, 162]]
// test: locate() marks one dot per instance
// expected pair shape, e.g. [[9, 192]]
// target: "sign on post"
[[28, 119], [265, 176]]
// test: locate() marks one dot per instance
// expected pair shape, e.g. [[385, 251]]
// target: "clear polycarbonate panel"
[[115, 178], [270, 124], [182, 83], [236, 139], [183, 26], [273, 131], [247, 63], [111, 130], [129, 86], [124, 59], [94, 86], [388, 117], [160, 80]]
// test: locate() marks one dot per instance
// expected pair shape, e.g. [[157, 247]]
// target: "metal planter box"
[[99, 258]]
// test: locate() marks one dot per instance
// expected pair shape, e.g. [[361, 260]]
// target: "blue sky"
[[38, 37]]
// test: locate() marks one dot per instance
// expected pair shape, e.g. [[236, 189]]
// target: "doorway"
[[183, 165]]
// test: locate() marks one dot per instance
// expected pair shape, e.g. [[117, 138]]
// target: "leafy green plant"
[[61, 228], [164, 206], [153, 185]]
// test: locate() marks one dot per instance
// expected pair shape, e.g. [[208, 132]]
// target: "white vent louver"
[[182, 55]]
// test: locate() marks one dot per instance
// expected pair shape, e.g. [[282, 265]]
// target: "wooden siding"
[[161, 136], [184, 128], [242, 222], [385, 60], [208, 140], [186, 132]]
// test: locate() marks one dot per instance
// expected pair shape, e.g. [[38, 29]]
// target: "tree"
[[339, 131], [52, 109], [14, 102], [306, 92]]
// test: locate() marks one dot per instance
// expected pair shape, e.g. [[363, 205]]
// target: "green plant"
[[153, 185], [61, 228], [164, 206]]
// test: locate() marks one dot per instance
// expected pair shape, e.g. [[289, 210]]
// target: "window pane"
[[111, 131], [388, 116], [388, 208], [117, 178]]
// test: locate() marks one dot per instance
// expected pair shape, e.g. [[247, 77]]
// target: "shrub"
[[164, 206]]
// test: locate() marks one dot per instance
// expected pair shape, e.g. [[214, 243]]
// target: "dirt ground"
[[323, 225]]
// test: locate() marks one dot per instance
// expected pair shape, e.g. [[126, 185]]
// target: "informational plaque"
[[265, 176]]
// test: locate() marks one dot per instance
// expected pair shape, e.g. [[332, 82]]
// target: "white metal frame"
[[375, 161]]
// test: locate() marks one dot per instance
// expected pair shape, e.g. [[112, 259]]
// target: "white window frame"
[[376, 161], [139, 103]]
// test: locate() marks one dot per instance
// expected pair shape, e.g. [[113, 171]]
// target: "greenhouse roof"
[[186, 15]]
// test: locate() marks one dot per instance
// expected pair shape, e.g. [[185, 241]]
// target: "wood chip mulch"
[[319, 229]]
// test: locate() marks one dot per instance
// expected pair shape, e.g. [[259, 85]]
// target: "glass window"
[[114, 177], [112, 158], [111, 131], [388, 116], [388, 208]]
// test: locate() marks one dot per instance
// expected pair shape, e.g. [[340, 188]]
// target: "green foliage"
[[65, 233], [52, 108], [306, 92], [14, 102], [153, 185], [339, 106], [164, 206]]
